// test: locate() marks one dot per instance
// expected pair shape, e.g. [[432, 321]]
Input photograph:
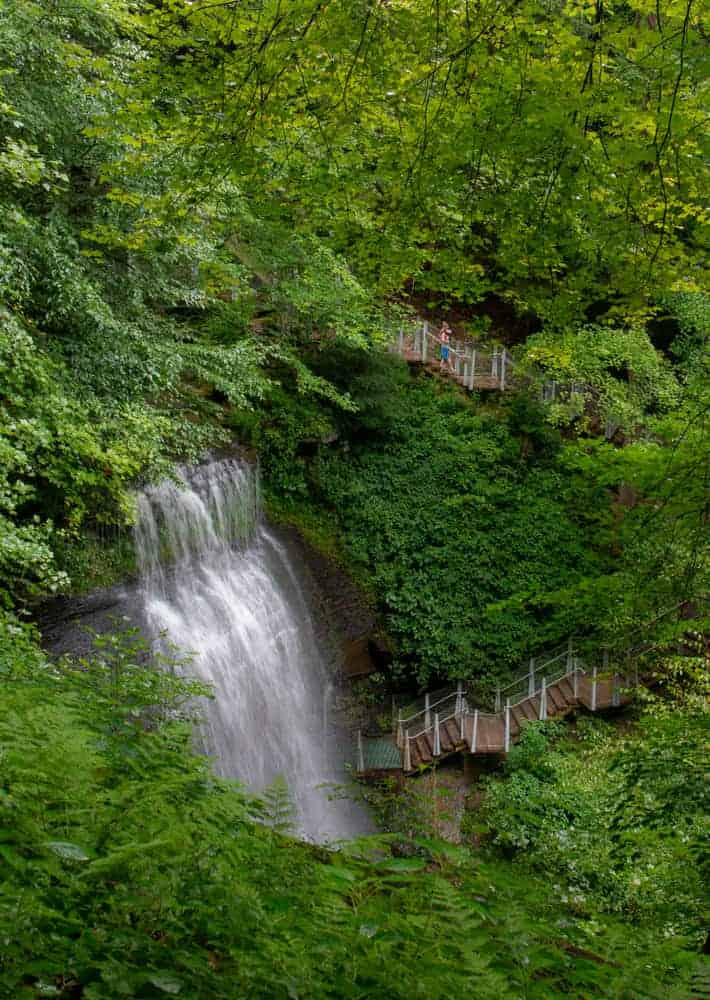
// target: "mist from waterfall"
[[224, 586]]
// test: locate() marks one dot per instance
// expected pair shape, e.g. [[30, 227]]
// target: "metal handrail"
[[432, 704], [465, 355], [538, 668]]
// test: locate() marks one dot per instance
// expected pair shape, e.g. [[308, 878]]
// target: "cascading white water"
[[223, 586]]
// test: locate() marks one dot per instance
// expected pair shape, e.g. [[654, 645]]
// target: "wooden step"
[[424, 747], [517, 712], [453, 731], [556, 700], [565, 686], [528, 709], [446, 744], [534, 705]]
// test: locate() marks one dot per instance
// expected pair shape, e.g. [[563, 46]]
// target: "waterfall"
[[222, 585]]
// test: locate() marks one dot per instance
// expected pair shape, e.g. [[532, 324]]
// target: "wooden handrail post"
[[575, 681], [473, 368], [407, 752], [593, 706], [502, 371], [507, 725], [360, 752], [400, 340], [531, 677], [437, 736], [399, 728], [498, 698], [494, 363], [474, 734], [459, 698], [543, 699], [425, 334], [427, 712]]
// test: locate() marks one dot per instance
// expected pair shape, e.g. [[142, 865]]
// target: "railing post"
[[437, 735], [474, 734], [360, 753], [459, 698], [400, 341], [593, 706], [473, 368], [425, 334], [570, 655], [427, 713], [465, 374], [494, 363], [507, 725], [616, 692], [543, 699], [498, 698], [407, 752], [399, 728], [531, 677], [502, 371], [575, 681]]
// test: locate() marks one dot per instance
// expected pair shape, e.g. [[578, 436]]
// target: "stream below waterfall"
[[224, 586]]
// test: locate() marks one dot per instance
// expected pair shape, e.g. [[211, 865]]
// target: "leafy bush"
[[622, 824], [440, 509], [129, 870], [618, 376]]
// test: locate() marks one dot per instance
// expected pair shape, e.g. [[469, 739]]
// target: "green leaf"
[[166, 983], [70, 852]]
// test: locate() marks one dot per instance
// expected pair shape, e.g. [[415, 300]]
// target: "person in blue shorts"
[[445, 337]]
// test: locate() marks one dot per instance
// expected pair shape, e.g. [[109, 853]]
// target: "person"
[[445, 338]]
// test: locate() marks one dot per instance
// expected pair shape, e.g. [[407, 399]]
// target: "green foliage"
[[118, 351], [691, 312], [552, 153], [203, 206], [618, 377], [279, 810], [621, 823], [129, 870], [440, 508]]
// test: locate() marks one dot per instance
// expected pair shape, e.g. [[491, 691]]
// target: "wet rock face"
[[348, 611], [67, 623]]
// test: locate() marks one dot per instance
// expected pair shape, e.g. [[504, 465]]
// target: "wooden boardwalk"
[[467, 365], [448, 724]]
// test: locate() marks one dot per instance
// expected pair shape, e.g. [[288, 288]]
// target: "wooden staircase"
[[449, 724], [481, 733]]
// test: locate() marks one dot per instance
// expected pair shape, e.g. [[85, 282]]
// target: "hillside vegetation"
[[215, 217]]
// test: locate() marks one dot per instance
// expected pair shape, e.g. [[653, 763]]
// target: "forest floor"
[[443, 798]]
